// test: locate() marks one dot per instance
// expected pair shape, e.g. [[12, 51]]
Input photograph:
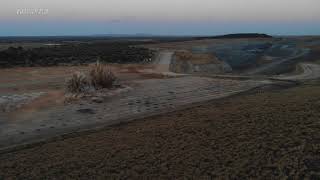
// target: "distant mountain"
[[237, 36], [123, 35]]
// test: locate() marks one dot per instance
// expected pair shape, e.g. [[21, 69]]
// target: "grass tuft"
[[101, 76], [78, 83]]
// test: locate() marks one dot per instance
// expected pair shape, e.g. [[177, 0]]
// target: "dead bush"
[[78, 83], [101, 76]]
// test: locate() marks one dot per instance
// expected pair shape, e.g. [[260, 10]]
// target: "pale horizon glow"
[[159, 16]]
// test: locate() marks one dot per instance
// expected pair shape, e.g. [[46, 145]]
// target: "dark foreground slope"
[[265, 136]]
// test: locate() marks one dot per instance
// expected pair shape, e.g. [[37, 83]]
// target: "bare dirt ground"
[[258, 136], [145, 90], [43, 113], [142, 98], [28, 79], [272, 135], [16, 84]]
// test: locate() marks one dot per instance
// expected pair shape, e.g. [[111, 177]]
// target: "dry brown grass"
[[101, 76], [77, 83]]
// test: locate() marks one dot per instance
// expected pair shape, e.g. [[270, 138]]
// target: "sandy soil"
[[143, 98], [273, 135], [51, 81], [26, 79]]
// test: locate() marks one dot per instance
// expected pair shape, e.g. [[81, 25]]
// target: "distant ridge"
[[237, 36], [10, 39]]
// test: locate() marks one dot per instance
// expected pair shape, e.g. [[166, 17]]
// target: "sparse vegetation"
[[77, 83], [101, 76]]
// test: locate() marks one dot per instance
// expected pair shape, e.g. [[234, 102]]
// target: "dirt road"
[[297, 54], [147, 97], [162, 64], [163, 60], [310, 71]]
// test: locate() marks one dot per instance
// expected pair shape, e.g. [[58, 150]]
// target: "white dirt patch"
[[12, 102]]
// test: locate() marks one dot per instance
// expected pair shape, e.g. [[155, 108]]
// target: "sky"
[[158, 17]]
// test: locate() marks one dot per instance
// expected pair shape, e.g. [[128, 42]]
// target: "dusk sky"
[[160, 17]]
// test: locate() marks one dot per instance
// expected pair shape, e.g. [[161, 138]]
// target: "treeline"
[[111, 52]]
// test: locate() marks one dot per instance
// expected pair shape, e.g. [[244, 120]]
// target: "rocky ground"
[[265, 135]]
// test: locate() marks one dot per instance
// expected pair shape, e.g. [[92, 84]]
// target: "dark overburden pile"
[[112, 52]]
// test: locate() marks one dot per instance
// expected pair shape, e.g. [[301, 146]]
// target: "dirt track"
[[145, 98], [163, 61], [297, 54], [310, 71]]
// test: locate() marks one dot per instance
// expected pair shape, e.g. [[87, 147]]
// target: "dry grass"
[[102, 76], [77, 83]]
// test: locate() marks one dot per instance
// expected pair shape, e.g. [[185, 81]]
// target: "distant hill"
[[116, 37], [237, 36]]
